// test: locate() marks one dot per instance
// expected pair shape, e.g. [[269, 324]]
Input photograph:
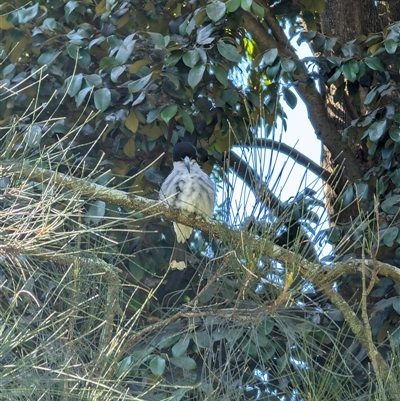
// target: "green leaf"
[[74, 84], [173, 58], [173, 78], [108, 63], [329, 44], [382, 287], [191, 58], [139, 84], [268, 351], [96, 41], [334, 77], [203, 55], [183, 362], [49, 23], [169, 112], [349, 49], [181, 346], [260, 339], [252, 349], [177, 395], [376, 130], [8, 70], [374, 63], [47, 58], [125, 365], [187, 121], [102, 99], [70, 6], [334, 235], [33, 136], [137, 271], [221, 75], [80, 97], [396, 304], [267, 326], [84, 59], [389, 235], [258, 10], [27, 14], [319, 40], [116, 72], [168, 340], [230, 96], [373, 38], [246, 4], [195, 75], [73, 51], [125, 50], [232, 5], [395, 134], [290, 97], [270, 56], [94, 80], [203, 35], [158, 39], [228, 51], [362, 190], [202, 339], [371, 97], [157, 365], [153, 114], [78, 37], [215, 10], [395, 177], [288, 65], [350, 70], [390, 205], [391, 46], [114, 42], [347, 196], [273, 70], [281, 363]]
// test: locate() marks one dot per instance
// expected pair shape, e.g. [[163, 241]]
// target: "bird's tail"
[[178, 259]]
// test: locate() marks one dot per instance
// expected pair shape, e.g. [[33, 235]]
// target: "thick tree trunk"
[[346, 21]]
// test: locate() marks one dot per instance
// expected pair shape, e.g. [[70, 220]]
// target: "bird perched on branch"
[[187, 188]]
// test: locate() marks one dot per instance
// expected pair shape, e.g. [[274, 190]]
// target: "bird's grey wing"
[[166, 187]]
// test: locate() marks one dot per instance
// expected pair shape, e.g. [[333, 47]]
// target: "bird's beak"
[[186, 160]]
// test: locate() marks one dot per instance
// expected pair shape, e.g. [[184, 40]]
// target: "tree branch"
[[317, 113], [254, 182], [321, 276], [295, 155], [218, 229]]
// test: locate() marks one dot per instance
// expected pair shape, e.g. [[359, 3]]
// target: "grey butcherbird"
[[188, 188]]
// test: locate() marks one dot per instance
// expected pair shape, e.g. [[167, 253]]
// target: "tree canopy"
[[92, 99]]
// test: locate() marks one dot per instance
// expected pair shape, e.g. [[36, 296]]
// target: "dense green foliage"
[[102, 92]]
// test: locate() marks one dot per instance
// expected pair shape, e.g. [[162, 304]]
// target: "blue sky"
[[300, 135], [287, 176]]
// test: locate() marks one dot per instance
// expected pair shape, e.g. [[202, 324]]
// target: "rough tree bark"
[[347, 21]]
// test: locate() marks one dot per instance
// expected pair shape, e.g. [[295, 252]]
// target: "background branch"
[[293, 153]]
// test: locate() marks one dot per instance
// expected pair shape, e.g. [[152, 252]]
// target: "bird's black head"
[[182, 150]]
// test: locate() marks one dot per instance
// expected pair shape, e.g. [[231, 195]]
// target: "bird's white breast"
[[191, 191]]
